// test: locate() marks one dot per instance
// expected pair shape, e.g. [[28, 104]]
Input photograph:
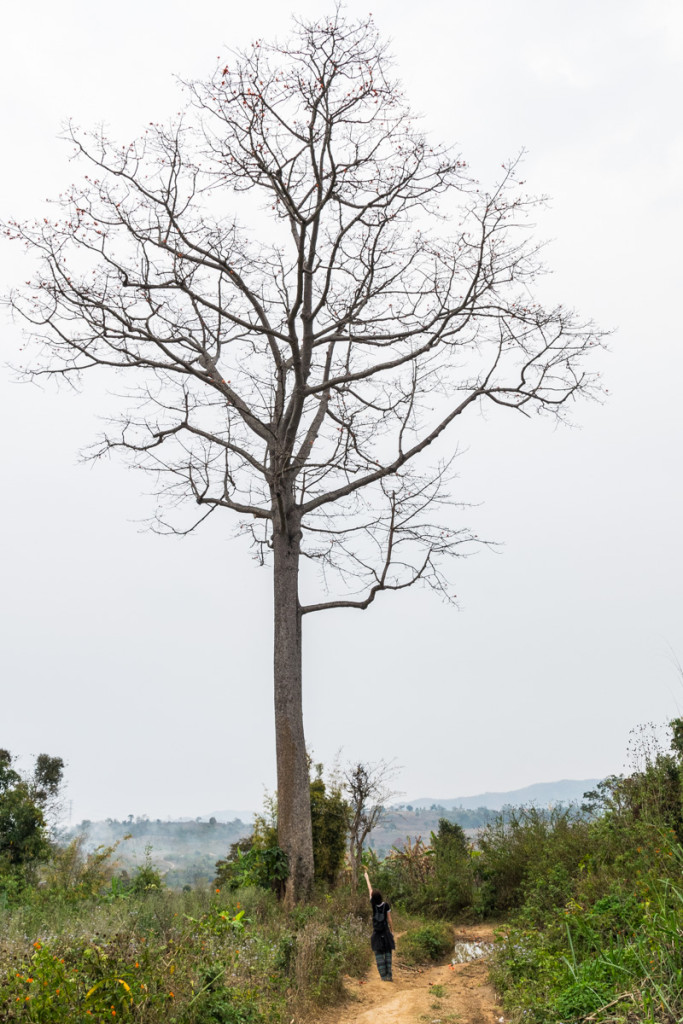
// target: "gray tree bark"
[[293, 801]]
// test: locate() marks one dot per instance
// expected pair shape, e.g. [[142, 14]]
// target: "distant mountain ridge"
[[540, 793], [230, 815]]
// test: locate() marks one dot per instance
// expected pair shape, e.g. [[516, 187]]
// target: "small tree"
[[368, 789], [298, 373], [24, 805], [330, 822], [451, 887]]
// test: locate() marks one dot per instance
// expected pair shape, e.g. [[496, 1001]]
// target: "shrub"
[[330, 824], [147, 878], [258, 860], [428, 943], [599, 938], [322, 955], [525, 848], [73, 873], [223, 1004], [262, 866]]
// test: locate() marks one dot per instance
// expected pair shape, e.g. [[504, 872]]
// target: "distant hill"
[[540, 793], [246, 816]]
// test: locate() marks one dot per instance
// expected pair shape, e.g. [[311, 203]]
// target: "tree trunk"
[[293, 798], [353, 866], [358, 865]]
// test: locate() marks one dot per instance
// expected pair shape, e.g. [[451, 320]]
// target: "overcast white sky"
[[145, 661]]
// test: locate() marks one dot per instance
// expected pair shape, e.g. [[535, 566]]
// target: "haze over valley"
[[186, 851]]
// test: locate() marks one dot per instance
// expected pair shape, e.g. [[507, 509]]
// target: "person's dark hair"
[[376, 898]]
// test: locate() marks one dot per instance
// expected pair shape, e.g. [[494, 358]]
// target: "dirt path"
[[464, 996]]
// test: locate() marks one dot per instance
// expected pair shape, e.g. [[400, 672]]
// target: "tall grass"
[[186, 957], [620, 958]]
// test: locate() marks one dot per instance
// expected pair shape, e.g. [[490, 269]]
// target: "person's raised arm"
[[368, 881]]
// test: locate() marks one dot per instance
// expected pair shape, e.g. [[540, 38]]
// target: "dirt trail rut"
[[467, 997]]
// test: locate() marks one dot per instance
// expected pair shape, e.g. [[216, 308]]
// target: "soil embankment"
[[463, 995]]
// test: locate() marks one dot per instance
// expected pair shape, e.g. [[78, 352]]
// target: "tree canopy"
[[24, 810]]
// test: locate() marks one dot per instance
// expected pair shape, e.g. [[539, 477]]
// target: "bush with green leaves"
[[263, 866], [258, 859], [25, 804], [330, 823], [529, 849], [223, 1004], [603, 938], [451, 888], [146, 878], [428, 943]]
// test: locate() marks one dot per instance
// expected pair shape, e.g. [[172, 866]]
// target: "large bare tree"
[[269, 277]]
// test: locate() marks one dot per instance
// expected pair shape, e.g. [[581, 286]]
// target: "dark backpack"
[[379, 919]]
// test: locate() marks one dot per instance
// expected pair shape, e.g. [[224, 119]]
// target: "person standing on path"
[[382, 940]]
